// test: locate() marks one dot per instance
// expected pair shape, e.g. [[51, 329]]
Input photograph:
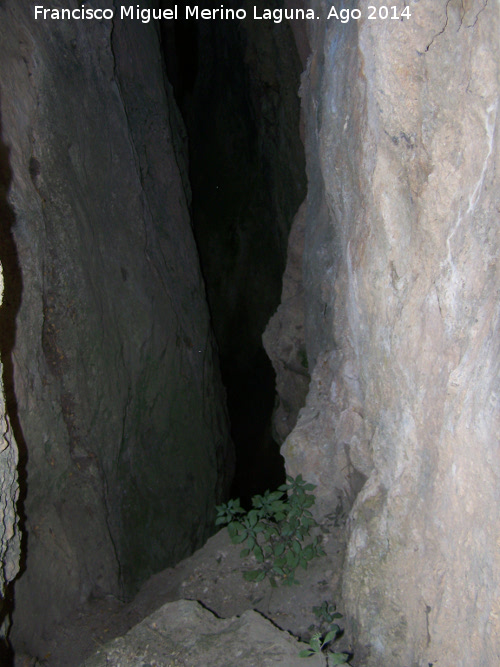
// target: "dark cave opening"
[[236, 84]]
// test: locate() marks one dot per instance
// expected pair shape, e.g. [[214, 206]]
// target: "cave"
[[241, 244], [247, 177]]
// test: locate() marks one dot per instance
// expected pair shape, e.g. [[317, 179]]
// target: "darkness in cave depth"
[[236, 85]]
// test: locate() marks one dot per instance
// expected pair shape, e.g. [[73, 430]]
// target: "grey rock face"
[[284, 337], [118, 395], [9, 493], [186, 634], [402, 323]]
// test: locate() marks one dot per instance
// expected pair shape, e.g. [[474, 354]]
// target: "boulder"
[[185, 634]]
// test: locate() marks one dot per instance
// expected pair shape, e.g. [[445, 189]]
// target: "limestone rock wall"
[[284, 337], [402, 323], [9, 492], [115, 373]]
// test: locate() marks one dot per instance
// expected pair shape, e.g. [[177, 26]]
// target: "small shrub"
[[326, 614], [276, 531], [324, 636]]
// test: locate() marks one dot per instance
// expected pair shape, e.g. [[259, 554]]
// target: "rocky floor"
[[213, 576]]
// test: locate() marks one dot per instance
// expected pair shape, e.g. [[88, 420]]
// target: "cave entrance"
[[236, 85]]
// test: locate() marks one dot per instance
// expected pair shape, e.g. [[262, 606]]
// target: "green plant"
[[325, 635], [276, 531], [326, 614]]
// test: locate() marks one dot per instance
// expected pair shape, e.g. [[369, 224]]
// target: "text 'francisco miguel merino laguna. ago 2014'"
[[145, 15]]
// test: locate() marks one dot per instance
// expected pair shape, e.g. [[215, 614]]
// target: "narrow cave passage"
[[111, 372], [115, 363], [236, 84]]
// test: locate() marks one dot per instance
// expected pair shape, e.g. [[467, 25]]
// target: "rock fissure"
[[143, 257], [476, 18]]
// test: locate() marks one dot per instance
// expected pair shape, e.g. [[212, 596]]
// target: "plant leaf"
[[258, 553], [238, 539], [331, 634], [306, 653], [279, 549], [315, 644], [251, 575], [252, 517]]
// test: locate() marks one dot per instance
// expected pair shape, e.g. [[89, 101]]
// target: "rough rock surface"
[[9, 488], [115, 375], [212, 576], [284, 337], [402, 323], [185, 634]]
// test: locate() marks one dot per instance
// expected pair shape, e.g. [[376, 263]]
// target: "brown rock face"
[[402, 323], [115, 374]]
